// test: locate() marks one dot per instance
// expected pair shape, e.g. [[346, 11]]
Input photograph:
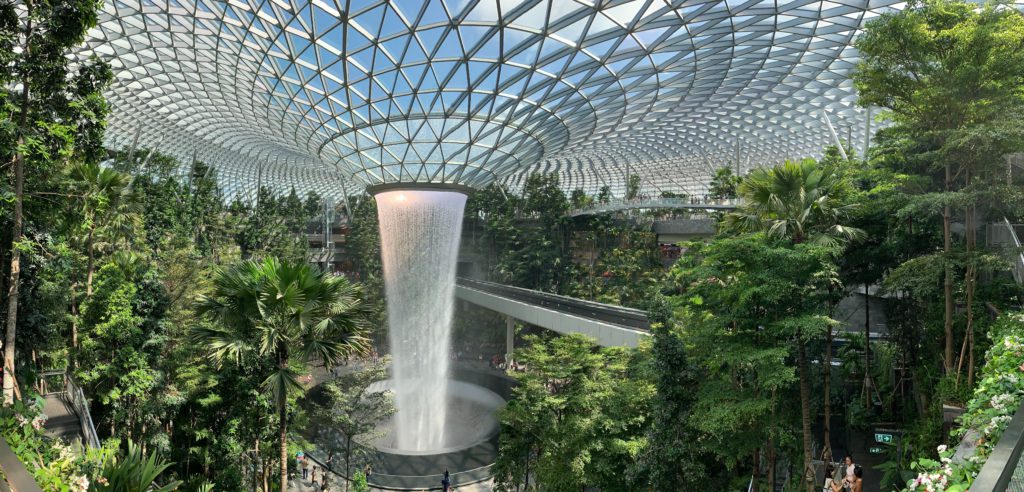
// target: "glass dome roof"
[[331, 95]]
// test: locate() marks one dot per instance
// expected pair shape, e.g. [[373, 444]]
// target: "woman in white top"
[[850, 467]]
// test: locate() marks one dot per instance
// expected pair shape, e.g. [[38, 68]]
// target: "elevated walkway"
[[610, 326], [66, 409], [653, 203]]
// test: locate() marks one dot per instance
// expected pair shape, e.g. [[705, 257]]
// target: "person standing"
[[857, 484], [313, 478], [305, 468], [446, 482], [849, 470], [367, 471]]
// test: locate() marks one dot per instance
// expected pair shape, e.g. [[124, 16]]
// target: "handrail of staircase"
[[81, 405], [76, 398], [16, 477], [1018, 263]]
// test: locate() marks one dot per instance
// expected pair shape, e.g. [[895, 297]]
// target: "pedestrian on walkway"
[[367, 471], [305, 468], [330, 461], [849, 469], [313, 479], [446, 482]]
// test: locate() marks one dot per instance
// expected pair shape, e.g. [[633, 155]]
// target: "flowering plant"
[[996, 398]]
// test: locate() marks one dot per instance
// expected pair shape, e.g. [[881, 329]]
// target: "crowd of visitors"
[[852, 477]]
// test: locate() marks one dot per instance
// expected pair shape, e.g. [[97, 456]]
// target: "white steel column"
[[510, 340], [835, 137]]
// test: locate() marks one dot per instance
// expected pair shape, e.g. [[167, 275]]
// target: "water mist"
[[419, 240]]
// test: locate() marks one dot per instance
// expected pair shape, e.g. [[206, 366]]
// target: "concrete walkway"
[[61, 420]]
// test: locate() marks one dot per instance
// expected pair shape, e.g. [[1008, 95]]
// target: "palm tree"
[[108, 206], [804, 201], [107, 200], [285, 312], [801, 201]]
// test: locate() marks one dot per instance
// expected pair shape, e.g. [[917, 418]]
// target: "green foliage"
[[344, 412], [633, 187], [282, 314], [577, 419], [724, 184], [359, 482], [996, 398], [278, 309], [804, 201], [274, 226], [133, 472], [756, 300], [673, 457]]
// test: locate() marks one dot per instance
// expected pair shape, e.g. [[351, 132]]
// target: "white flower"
[[81, 482], [942, 448]]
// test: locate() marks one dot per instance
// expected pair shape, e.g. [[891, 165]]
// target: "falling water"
[[419, 239]]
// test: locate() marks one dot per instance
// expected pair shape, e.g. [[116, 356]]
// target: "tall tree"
[[724, 184], [58, 115], [804, 201], [106, 200], [345, 411], [949, 74], [287, 313]]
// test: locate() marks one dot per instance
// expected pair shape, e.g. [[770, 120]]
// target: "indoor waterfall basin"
[[475, 395], [446, 416]]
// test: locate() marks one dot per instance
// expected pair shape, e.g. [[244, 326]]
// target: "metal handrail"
[[623, 204], [16, 477], [81, 406], [629, 317], [998, 470], [1018, 263], [79, 403]]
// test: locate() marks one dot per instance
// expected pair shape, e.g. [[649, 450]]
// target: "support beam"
[[510, 340], [867, 132], [835, 137], [604, 334]]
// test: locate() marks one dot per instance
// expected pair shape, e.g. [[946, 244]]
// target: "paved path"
[[61, 419]]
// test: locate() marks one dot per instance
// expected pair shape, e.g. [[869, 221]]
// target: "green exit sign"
[[876, 450], [886, 438]]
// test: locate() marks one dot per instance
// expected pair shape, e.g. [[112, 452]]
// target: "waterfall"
[[419, 243]]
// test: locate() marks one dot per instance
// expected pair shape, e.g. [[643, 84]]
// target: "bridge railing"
[[623, 204], [74, 397], [1005, 233], [628, 317], [1004, 466], [16, 477]]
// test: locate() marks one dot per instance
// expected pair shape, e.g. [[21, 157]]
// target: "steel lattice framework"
[[332, 95]]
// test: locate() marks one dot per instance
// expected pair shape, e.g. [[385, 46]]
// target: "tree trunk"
[[827, 389], [74, 329], [947, 285], [91, 262], [771, 466], [348, 462], [805, 411], [867, 341], [972, 274], [17, 229], [754, 485], [282, 408]]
